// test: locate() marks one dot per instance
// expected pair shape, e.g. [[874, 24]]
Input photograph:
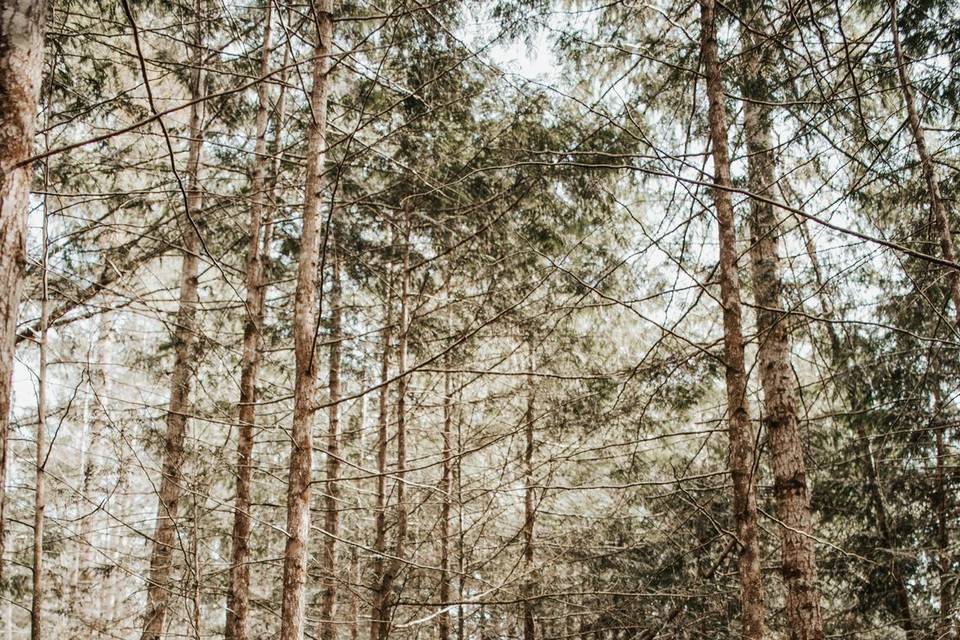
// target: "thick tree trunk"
[[776, 374], [258, 256], [742, 455], [331, 523], [184, 340], [293, 607], [22, 25]]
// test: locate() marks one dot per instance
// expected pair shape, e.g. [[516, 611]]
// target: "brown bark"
[[258, 257], [293, 607], [380, 525], [394, 565], [331, 523], [184, 340], [443, 622], [529, 513], [776, 374], [22, 25], [742, 455]]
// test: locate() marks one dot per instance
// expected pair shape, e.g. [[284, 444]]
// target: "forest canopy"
[[479, 319]]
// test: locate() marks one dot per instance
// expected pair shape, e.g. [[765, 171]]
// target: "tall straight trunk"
[[39, 504], [443, 622], [258, 256], [780, 393], [393, 567], [184, 341], [331, 522], [380, 525], [529, 513], [742, 456], [870, 468], [293, 607], [937, 208], [22, 25]]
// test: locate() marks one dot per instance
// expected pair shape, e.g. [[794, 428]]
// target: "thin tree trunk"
[[380, 526], [258, 256], [331, 524], [293, 607], [394, 566], [742, 455], [39, 504], [184, 340], [443, 622], [22, 25], [776, 374], [529, 513]]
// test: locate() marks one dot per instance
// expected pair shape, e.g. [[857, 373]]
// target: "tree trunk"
[[394, 566], [293, 608], [21, 69], [39, 504], [742, 455], [258, 257], [443, 622], [529, 513], [776, 374], [331, 524], [380, 526], [184, 340]]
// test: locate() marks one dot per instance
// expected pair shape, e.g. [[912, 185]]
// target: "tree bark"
[[293, 607], [39, 504], [331, 524], [258, 257], [443, 622], [22, 25], [792, 496], [184, 341], [380, 526], [742, 455], [394, 565], [529, 513]]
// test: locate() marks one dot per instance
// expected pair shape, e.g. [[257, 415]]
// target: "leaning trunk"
[[742, 456]]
